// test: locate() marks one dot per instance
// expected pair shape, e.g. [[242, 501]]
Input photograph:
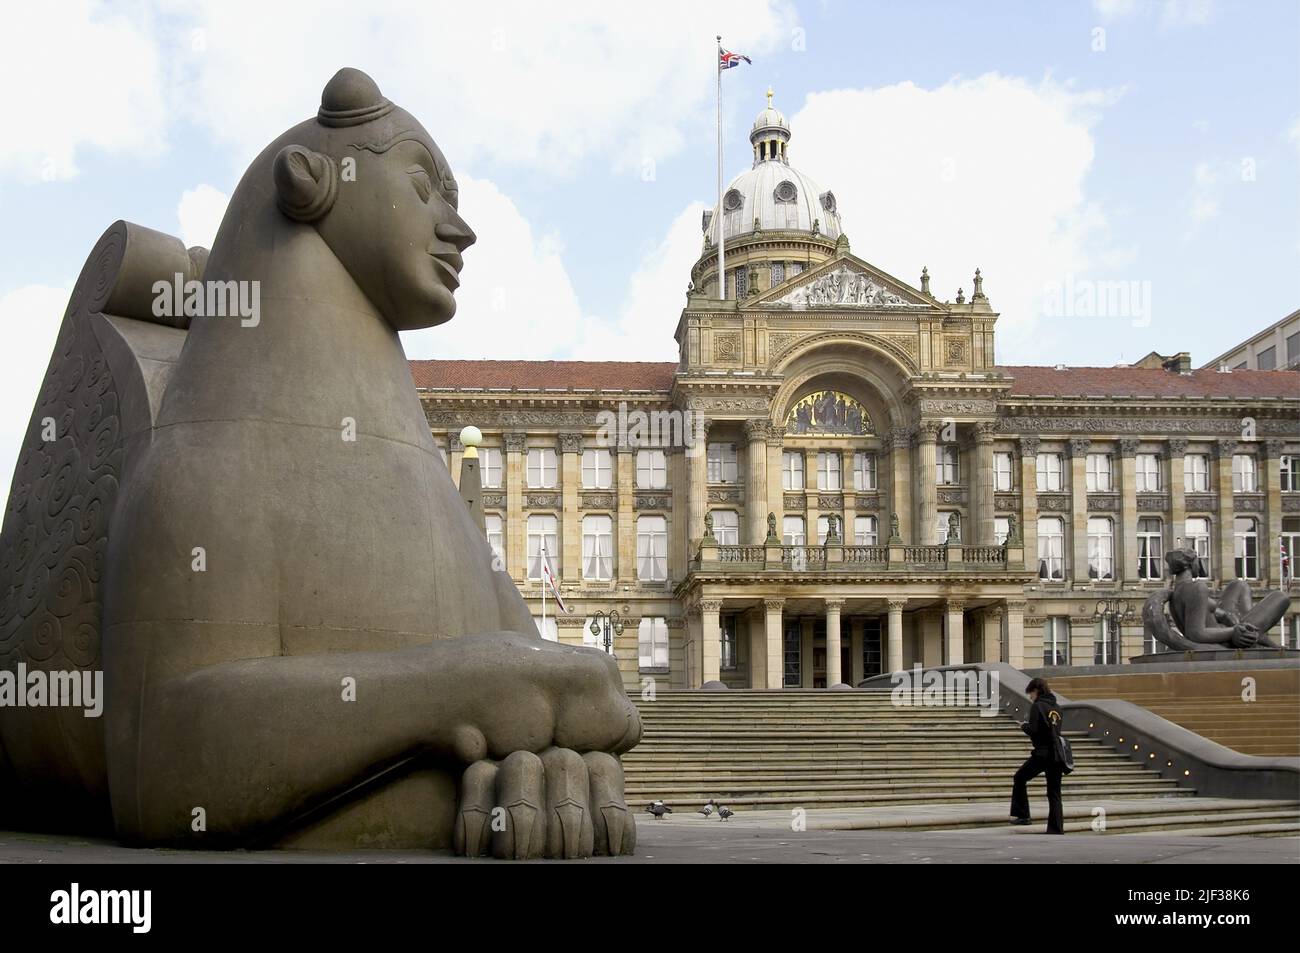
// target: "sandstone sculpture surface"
[[243, 521]]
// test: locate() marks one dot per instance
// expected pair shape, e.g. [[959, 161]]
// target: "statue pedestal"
[[1216, 655]]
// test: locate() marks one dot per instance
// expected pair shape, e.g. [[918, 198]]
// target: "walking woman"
[[1043, 724]]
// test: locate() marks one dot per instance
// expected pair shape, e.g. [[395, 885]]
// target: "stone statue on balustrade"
[[229, 511], [1200, 621]]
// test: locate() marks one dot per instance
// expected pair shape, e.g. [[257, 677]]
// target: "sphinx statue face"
[[381, 194]]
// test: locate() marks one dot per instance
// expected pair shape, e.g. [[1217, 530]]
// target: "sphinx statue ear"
[[306, 183]]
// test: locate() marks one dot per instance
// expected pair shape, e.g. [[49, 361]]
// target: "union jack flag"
[[548, 579], [1286, 560], [728, 60]]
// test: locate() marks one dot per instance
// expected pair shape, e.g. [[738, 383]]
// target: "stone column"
[[833, 607], [810, 508], [679, 522], [900, 484], [1079, 511], [992, 619], [1126, 524], [624, 482], [1177, 494], [1015, 633], [710, 641], [1270, 475], [806, 655], [1224, 562], [756, 480], [984, 510], [757, 625], [924, 529], [931, 628], [894, 636], [516, 528], [1029, 500], [455, 452], [954, 634], [692, 643], [698, 464], [856, 673], [570, 517], [774, 637], [775, 493]]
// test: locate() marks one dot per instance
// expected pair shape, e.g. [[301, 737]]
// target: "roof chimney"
[[1180, 363]]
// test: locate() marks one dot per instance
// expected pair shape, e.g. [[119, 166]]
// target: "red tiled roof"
[[539, 375], [1034, 381], [1029, 381]]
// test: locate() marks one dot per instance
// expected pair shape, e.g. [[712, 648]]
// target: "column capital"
[[571, 443], [984, 431], [710, 605], [833, 604], [900, 438], [1029, 446], [896, 605], [773, 605], [1225, 448], [514, 441], [1177, 447], [1128, 447], [453, 441], [927, 431], [1079, 446], [1016, 605], [992, 613], [956, 605], [756, 429], [1273, 448]]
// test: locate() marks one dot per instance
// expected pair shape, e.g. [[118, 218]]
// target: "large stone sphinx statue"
[[1198, 620], [243, 522]]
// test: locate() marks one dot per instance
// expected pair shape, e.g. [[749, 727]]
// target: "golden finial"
[[769, 97]]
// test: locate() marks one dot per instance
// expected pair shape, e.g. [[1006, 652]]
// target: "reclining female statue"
[[1203, 622], [247, 525]]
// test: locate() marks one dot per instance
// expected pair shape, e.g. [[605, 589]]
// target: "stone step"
[[1000, 793], [800, 788]]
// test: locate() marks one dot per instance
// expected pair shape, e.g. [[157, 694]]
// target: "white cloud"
[[515, 298], [98, 88], [199, 213], [1172, 12], [517, 82], [987, 172], [29, 324]]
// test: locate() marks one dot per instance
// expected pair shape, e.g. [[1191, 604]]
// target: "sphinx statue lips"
[[247, 528]]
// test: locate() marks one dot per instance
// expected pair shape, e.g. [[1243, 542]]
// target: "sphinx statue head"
[[369, 179]]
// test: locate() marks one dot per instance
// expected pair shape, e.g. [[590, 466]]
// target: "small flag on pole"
[[1285, 560], [548, 576], [728, 60]]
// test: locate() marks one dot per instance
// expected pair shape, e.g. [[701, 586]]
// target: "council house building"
[[865, 488]]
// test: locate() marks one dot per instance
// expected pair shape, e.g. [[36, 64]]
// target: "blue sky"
[[1155, 142]]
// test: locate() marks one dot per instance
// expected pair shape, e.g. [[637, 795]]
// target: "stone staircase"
[[760, 751]]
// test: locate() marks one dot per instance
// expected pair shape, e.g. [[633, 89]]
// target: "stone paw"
[[558, 804]]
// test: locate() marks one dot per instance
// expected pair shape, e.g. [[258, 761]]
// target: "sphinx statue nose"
[[456, 233]]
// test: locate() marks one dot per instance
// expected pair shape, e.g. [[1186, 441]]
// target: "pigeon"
[[707, 809], [725, 812], [658, 809]]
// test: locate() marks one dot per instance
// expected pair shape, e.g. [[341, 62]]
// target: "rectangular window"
[[778, 273], [945, 465], [1292, 349], [1101, 549], [792, 654], [597, 547], [651, 469], [1150, 540], [1245, 544], [865, 532], [828, 470], [1196, 473], [871, 632], [1290, 550], [652, 548], [542, 532], [1001, 529], [1290, 474], [541, 468], [1105, 643], [722, 467], [1002, 470], [1097, 472], [652, 643], [597, 474], [490, 467], [864, 471], [1051, 547], [495, 528], [792, 470], [792, 531], [1291, 626], [1196, 535], [727, 637], [1056, 640], [1147, 473], [796, 268], [1049, 472], [726, 527], [1244, 479], [740, 283], [551, 631], [1266, 360]]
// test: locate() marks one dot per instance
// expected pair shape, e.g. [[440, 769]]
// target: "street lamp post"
[[606, 625], [1113, 613]]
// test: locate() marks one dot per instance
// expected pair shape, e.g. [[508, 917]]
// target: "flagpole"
[[722, 239]]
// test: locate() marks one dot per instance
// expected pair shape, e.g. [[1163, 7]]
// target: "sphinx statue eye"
[[423, 184]]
